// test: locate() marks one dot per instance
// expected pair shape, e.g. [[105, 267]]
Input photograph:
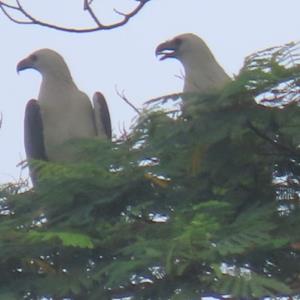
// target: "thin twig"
[[123, 97], [9, 5], [31, 20], [119, 13], [12, 18], [124, 134], [87, 7], [174, 96]]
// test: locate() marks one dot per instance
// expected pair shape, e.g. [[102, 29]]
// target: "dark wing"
[[33, 135], [102, 116]]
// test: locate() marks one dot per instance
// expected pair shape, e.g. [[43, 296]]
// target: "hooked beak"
[[24, 64], [166, 50]]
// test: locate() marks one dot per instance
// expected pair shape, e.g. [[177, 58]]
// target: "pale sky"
[[125, 58]]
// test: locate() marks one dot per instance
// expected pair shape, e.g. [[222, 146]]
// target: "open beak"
[[166, 50]]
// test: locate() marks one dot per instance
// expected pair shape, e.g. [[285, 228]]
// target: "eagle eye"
[[33, 57], [178, 42]]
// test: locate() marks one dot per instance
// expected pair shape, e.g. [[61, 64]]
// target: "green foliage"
[[66, 238], [242, 284], [205, 204]]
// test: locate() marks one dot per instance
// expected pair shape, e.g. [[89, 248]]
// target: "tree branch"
[[87, 7], [3, 8], [273, 142], [32, 20], [123, 97]]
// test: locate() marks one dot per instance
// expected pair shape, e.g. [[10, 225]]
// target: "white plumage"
[[62, 113], [203, 74]]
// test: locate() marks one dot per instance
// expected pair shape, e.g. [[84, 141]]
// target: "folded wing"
[[33, 135], [102, 116]]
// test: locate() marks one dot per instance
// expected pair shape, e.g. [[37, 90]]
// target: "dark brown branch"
[[31, 20], [119, 13], [9, 5], [87, 7], [273, 142], [10, 17]]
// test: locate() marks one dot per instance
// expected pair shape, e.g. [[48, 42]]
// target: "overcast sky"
[[124, 57]]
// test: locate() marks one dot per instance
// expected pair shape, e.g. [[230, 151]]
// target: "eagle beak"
[[166, 50], [24, 64]]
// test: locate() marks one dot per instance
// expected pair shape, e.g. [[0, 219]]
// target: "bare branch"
[[165, 98], [122, 96], [87, 7], [124, 133], [119, 13], [8, 5], [32, 20], [3, 8]]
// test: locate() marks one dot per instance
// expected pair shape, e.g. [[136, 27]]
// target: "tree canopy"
[[184, 207]]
